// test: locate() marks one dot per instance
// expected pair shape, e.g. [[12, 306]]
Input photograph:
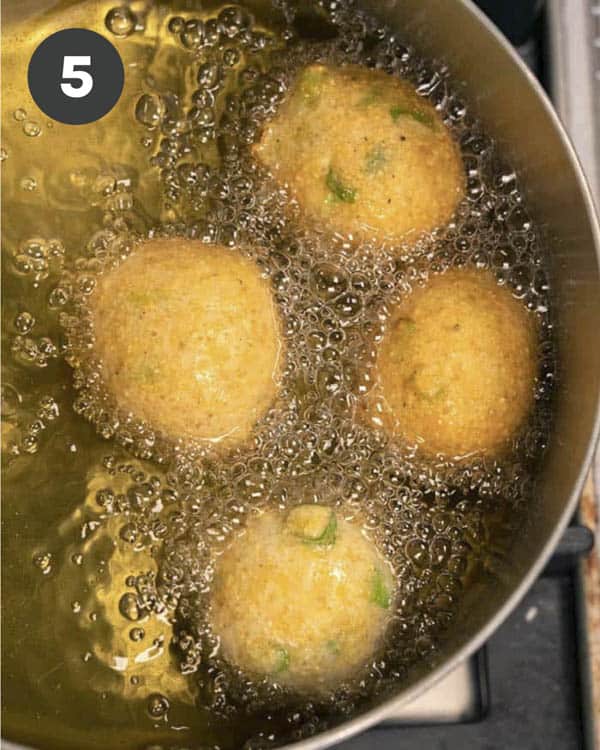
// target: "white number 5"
[[86, 82]]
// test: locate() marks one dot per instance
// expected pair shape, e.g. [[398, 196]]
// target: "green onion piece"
[[328, 536], [282, 659], [421, 117], [313, 524], [333, 647], [380, 593], [338, 189]]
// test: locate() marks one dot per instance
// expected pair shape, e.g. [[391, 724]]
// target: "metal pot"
[[517, 113]]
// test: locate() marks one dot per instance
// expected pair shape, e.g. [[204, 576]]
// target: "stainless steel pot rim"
[[355, 726]]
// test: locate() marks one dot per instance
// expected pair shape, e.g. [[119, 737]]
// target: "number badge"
[[75, 76]]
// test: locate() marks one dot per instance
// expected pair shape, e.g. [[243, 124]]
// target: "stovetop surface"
[[533, 701]]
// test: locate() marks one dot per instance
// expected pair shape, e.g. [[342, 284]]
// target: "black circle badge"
[[75, 76]]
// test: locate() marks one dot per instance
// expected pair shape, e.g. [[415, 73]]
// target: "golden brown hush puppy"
[[364, 154], [189, 339], [457, 366], [303, 598]]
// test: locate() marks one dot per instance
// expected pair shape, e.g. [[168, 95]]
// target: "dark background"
[[516, 18]]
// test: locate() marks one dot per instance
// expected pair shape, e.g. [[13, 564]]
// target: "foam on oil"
[[123, 535]]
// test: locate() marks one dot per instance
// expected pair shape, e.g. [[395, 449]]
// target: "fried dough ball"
[[364, 154], [302, 598], [457, 367], [189, 339]]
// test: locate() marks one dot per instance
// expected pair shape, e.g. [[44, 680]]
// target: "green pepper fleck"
[[333, 647], [376, 159], [380, 593], [421, 117], [338, 189]]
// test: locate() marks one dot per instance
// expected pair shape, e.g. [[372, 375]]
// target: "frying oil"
[[110, 531]]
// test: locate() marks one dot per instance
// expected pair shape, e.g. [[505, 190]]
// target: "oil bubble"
[[129, 533], [58, 298], [43, 561], [29, 184], [148, 111], [24, 322], [120, 21], [176, 24], [128, 607], [329, 280], [231, 57], [137, 634], [192, 34], [209, 75], [158, 705], [31, 128], [233, 20]]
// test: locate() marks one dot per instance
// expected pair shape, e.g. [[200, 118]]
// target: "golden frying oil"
[[108, 544]]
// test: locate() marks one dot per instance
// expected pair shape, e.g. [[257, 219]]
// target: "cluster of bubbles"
[[29, 127], [438, 523], [142, 505], [22, 433], [36, 258], [47, 412], [37, 352]]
